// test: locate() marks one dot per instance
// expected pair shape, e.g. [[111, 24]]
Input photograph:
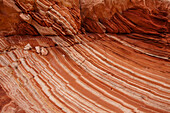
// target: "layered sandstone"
[[88, 56]]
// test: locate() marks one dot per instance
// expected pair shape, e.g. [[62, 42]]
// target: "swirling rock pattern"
[[100, 56]]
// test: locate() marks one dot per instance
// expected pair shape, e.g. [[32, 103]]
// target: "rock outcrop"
[[100, 56]]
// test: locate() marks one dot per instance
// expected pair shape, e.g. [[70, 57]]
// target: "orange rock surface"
[[85, 56]]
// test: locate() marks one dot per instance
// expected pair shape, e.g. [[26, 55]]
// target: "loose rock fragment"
[[44, 51], [41, 50], [38, 49], [27, 47]]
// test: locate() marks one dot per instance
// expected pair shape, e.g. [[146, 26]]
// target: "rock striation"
[[84, 56]]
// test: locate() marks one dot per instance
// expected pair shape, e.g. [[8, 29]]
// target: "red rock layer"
[[95, 73], [138, 18], [7, 105], [42, 16], [50, 63]]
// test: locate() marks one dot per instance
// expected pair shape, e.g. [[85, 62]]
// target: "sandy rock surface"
[[85, 56]]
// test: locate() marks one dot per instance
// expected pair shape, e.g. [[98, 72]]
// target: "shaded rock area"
[[84, 56]]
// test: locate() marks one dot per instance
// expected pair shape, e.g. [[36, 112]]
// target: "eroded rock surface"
[[88, 56]]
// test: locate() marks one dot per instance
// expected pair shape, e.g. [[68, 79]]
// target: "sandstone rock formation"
[[99, 56]]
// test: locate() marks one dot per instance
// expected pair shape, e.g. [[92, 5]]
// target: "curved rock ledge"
[[99, 56]]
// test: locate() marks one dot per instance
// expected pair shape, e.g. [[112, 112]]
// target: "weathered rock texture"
[[88, 56]]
